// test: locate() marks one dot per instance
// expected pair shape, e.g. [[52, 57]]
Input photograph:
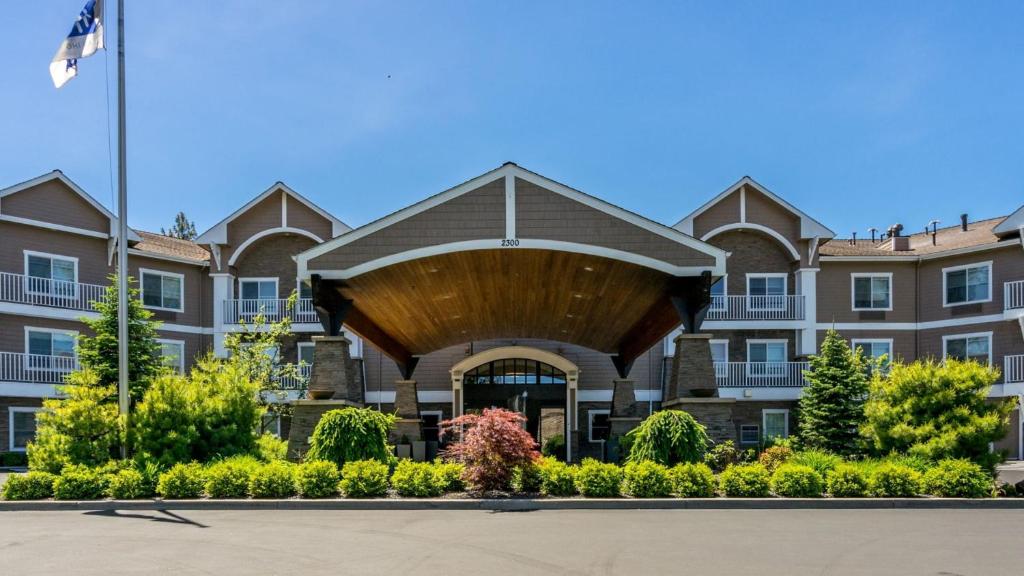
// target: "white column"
[[223, 289], [807, 286]]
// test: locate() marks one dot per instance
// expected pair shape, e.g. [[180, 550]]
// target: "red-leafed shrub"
[[490, 445]]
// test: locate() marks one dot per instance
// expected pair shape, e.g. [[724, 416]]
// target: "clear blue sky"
[[862, 114]]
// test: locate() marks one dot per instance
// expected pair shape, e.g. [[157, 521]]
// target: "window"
[[969, 347], [514, 371], [872, 291], [766, 357], [718, 293], [163, 290], [258, 295], [50, 349], [431, 425], [750, 434], [598, 425], [51, 275], [305, 289], [306, 353], [719, 356], [270, 423], [776, 423], [22, 427], [766, 291], [874, 349], [967, 284], [172, 354]]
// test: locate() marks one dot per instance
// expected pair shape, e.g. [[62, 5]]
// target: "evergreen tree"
[[99, 353], [832, 405], [183, 228]]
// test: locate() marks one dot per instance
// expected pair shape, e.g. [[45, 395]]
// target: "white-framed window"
[[977, 346], [719, 356], [767, 357], [431, 424], [968, 284], [766, 291], [51, 274], [258, 295], [874, 348], [775, 422], [719, 291], [163, 290], [871, 291], [270, 423], [750, 434], [21, 427], [172, 354], [305, 353], [598, 425], [304, 288], [50, 349]]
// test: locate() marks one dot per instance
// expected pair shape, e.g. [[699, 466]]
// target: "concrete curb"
[[526, 504]]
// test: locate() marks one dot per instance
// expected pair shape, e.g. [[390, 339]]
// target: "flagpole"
[[122, 234]]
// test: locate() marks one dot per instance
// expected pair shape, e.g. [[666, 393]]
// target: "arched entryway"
[[528, 380]]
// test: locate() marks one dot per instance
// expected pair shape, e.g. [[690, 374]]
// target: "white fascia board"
[[28, 390], [1011, 223]]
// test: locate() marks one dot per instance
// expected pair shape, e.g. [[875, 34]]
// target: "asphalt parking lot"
[[703, 542]]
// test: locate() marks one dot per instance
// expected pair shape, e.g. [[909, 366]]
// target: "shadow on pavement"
[[168, 516]]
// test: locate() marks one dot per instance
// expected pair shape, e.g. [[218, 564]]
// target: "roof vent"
[[963, 222], [895, 230], [900, 243]]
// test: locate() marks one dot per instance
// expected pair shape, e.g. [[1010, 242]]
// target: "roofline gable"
[[1012, 223], [809, 227], [218, 233]]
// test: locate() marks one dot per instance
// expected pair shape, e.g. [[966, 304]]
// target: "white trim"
[[184, 329], [712, 325], [258, 280], [28, 390], [524, 352], [468, 245], [783, 275], [264, 233], [757, 429], [855, 342], [929, 325], [743, 204], [725, 341], [181, 357], [590, 423], [783, 341], [142, 289], [425, 396], [945, 293], [299, 346], [218, 234], [853, 290], [510, 207], [764, 420], [752, 226], [762, 393], [51, 257], [986, 335], [824, 258], [284, 210], [58, 175], [52, 226], [1008, 225], [11, 411], [51, 331]]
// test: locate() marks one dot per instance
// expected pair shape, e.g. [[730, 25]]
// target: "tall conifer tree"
[[832, 405]]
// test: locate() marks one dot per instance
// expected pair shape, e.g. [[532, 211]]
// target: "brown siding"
[[542, 214], [271, 257], [1007, 265], [305, 218], [835, 292], [738, 341], [1006, 339], [726, 211], [12, 330], [265, 215], [194, 282], [751, 251], [17, 238], [476, 215], [766, 212], [5, 426], [904, 342], [56, 203]]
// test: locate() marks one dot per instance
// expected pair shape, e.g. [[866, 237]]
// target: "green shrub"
[[79, 427], [31, 486], [77, 482], [417, 479], [796, 481], [692, 480], [13, 459], [270, 448], [722, 455], [273, 480], [598, 479], [526, 478], [745, 481], [822, 462], [958, 479], [557, 478], [919, 463], [554, 447], [646, 480], [775, 456], [450, 475], [364, 479], [128, 484], [317, 479], [182, 481], [229, 478], [894, 481], [847, 481], [351, 434], [668, 437]]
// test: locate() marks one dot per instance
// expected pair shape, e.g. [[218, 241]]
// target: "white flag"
[[85, 38]]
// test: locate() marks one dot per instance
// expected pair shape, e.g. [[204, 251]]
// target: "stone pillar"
[[624, 416], [334, 373], [305, 416], [693, 372], [407, 408]]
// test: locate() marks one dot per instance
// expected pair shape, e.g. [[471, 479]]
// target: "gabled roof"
[[809, 227], [949, 239], [1012, 223], [58, 175], [218, 234], [167, 246]]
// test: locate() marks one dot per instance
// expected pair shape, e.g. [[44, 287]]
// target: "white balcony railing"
[[23, 289], [1013, 295], [35, 368], [760, 374], [756, 307], [273, 310], [1013, 368], [297, 381]]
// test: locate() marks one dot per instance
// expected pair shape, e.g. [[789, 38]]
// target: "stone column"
[[334, 373], [693, 372], [407, 408], [624, 416]]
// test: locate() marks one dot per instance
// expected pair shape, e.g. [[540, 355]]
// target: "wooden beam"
[[691, 298], [362, 325], [330, 306]]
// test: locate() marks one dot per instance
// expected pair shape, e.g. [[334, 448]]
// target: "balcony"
[[298, 381], [756, 308], [1013, 295], [1013, 369], [760, 374], [35, 368], [242, 310], [22, 289]]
